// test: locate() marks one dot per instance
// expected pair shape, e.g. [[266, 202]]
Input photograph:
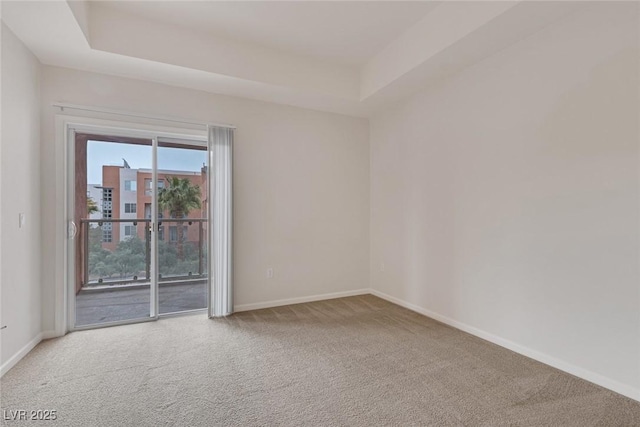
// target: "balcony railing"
[[117, 252]]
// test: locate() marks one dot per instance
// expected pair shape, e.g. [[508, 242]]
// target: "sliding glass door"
[[140, 229]]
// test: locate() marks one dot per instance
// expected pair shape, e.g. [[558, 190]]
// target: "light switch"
[[21, 219]]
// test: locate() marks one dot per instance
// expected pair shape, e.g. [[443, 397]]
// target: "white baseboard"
[[585, 374], [289, 301], [50, 334], [6, 366]]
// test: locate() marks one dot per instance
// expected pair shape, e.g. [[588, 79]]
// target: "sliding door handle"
[[72, 231]]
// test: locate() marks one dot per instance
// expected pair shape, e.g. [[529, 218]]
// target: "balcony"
[[114, 269]]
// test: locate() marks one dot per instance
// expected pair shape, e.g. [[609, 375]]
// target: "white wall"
[[506, 199], [301, 184], [20, 189]]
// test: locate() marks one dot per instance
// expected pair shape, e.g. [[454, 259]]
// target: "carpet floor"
[[357, 361]]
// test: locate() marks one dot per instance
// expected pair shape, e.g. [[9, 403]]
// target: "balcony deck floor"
[[95, 307]]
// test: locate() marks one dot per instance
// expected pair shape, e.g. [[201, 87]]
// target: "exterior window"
[[148, 191], [129, 208], [147, 211], [173, 233], [161, 232], [130, 185], [107, 212], [130, 230]]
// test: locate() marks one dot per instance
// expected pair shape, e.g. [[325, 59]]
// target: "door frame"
[[66, 128]]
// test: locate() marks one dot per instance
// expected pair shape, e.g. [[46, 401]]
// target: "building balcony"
[[115, 267]]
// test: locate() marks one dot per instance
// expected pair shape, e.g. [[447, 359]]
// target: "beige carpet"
[[351, 361]]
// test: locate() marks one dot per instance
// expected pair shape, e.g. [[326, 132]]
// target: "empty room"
[[320, 213]]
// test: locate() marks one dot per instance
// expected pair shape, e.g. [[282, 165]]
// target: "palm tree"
[[179, 198], [92, 206]]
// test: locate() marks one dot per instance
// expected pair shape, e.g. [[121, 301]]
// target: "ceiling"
[[346, 32], [354, 58]]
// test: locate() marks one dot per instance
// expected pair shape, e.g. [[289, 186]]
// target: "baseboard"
[[6, 366], [585, 374], [50, 334], [300, 300]]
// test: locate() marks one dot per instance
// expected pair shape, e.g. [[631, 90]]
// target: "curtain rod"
[[62, 106]]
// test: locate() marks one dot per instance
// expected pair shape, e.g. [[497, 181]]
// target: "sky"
[[139, 157]]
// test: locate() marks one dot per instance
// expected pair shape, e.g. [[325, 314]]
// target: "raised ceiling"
[[352, 58], [345, 32]]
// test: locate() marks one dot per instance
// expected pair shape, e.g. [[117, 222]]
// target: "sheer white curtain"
[[221, 220]]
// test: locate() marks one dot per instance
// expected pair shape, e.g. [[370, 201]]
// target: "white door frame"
[[66, 128]]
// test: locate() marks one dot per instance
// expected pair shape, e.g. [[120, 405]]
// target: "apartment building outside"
[[127, 193]]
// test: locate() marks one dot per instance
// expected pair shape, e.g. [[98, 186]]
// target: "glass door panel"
[[182, 225], [114, 280]]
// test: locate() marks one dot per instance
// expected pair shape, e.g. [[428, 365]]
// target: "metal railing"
[[102, 260]]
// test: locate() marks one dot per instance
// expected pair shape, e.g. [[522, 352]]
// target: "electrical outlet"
[[21, 220], [269, 273], [382, 266]]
